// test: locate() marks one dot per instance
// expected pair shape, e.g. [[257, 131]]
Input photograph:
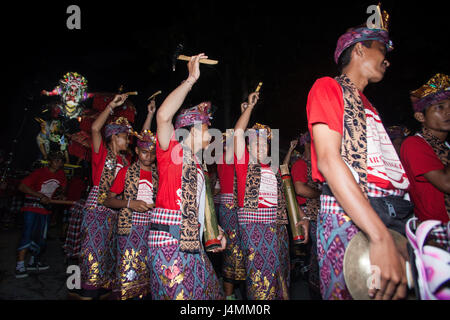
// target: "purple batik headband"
[[145, 140], [198, 114], [361, 34], [304, 138], [119, 126]]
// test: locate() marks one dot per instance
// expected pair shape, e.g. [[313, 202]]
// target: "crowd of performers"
[[139, 234]]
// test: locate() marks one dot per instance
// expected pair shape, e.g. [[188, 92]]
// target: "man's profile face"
[[374, 62], [437, 116]]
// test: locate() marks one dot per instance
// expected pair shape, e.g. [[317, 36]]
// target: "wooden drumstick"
[[259, 87], [205, 61], [154, 95], [132, 93]]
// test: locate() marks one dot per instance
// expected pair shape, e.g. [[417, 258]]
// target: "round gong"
[[357, 263]]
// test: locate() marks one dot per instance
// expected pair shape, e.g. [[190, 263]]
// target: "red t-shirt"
[[268, 192], [299, 172], [98, 162], [44, 181], [170, 170], [225, 173], [170, 166], [145, 190], [326, 105], [419, 158]]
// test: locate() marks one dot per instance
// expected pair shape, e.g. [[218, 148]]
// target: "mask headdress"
[[435, 90]]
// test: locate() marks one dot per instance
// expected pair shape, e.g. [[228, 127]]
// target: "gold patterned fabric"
[[130, 191], [189, 231], [354, 140], [108, 174]]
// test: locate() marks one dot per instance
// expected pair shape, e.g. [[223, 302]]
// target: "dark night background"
[[287, 45]]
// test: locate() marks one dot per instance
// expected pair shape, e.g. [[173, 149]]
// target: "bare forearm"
[[114, 203], [287, 158], [440, 179], [305, 191], [101, 120], [148, 122], [239, 130], [26, 189], [351, 198], [174, 101]]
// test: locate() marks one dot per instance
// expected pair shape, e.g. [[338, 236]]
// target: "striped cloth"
[[262, 215], [376, 192], [142, 218], [72, 244], [158, 239], [226, 198]]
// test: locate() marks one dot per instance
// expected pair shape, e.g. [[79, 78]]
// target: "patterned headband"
[[145, 140], [119, 126], [361, 34], [256, 130], [435, 90], [304, 138], [199, 114]]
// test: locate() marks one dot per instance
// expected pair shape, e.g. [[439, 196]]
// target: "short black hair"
[[346, 55]]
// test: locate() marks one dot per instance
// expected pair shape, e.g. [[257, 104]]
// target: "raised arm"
[[151, 112], [292, 146], [242, 123], [174, 101], [383, 252], [101, 119]]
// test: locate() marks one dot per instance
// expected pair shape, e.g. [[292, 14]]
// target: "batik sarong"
[[266, 255], [72, 244], [177, 275], [313, 276], [132, 268], [98, 244], [334, 231], [233, 267]]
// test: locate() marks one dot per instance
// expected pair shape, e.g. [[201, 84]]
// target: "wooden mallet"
[[205, 61]]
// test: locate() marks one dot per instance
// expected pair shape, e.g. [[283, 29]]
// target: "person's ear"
[[419, 116], [136, 149], [358, 50]]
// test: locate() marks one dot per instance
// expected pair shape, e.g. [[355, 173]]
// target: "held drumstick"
[[133, 93], [259, 87], [154, 95], [63, 202], [205, 61]]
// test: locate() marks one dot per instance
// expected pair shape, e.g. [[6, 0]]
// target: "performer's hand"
[[244, 106], [194, 66], [223, 241], [293, 144], [253, 99], [45, 199], [118, 100], [140, 206], [392, 282], [151, 107], [44, 93], [304, 223]]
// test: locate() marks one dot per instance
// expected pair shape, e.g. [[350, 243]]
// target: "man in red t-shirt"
[[426, 155], [353, 161], [39, 188]]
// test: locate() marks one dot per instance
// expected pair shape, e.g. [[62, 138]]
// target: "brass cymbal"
[[357, 268]]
